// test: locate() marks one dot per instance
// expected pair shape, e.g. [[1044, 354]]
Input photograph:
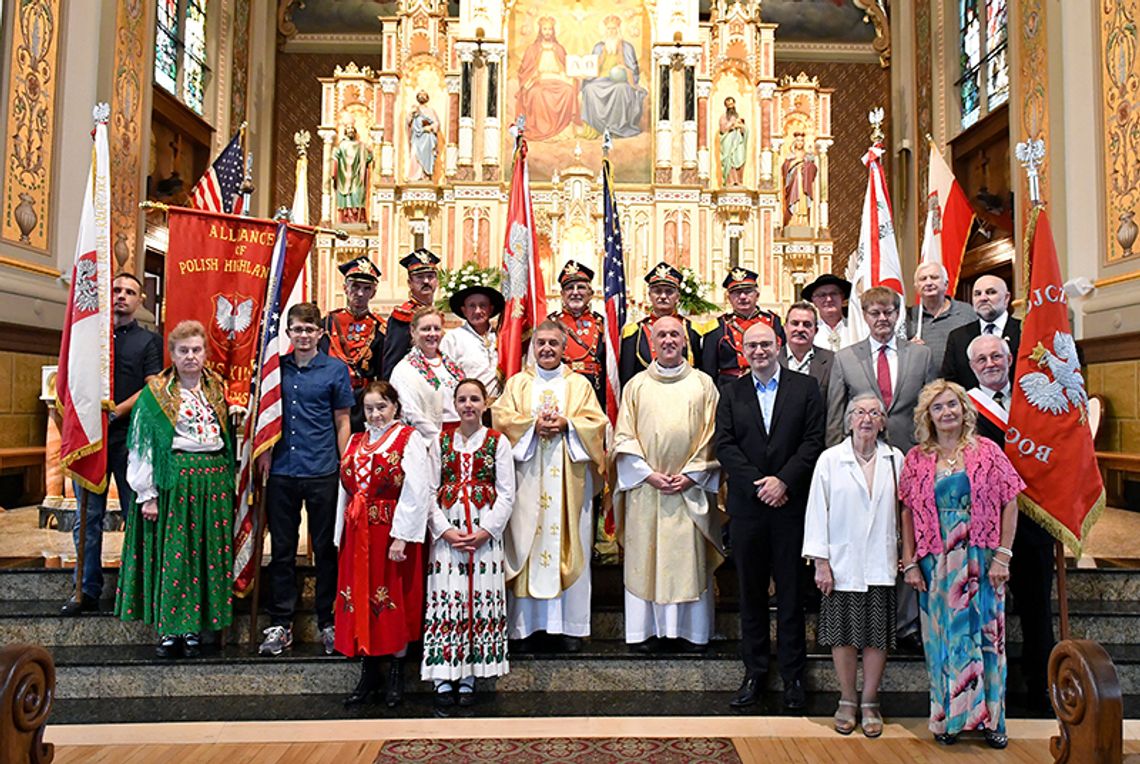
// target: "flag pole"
[[1030, 154], [80, 546]]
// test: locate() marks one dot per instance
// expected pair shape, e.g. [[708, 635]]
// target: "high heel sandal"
[[845, 723]]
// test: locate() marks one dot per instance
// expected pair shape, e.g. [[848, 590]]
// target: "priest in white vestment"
[[667, 478], [557, 429]]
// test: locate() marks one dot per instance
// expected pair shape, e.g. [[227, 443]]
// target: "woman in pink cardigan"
[[958, 521]]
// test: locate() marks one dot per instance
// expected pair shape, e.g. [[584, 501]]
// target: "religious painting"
[[833, 21], [576, 71]]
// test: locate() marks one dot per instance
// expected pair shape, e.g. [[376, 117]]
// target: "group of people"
[[450, 506]]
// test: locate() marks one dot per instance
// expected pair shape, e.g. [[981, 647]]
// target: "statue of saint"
[[352, 161], [613, 100], [548, 96], [733, 145], [799, 171], [423, 129]]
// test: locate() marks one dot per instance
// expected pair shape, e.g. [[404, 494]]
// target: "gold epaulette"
[[704, 327], [630, 329]]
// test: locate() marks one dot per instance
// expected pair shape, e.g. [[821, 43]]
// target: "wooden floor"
[[757, 739]]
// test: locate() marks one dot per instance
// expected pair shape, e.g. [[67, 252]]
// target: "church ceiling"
[[801, 21]]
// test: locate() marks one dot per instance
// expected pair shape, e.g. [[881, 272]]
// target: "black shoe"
[[945, 738], [996, 740], [369, 683], [84, 604], [749, 691], [191, 645], [646, 647], [169, 647], [571, 644], [685, 646], [466, 699], [394, 693], [794, 696], [444, 698]]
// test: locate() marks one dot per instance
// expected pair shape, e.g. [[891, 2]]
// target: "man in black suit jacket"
[[769, 434], [991, 303], [799, 353], [1031, 568]]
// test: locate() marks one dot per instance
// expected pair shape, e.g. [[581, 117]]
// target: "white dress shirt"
[[478, 354], [892, 359], [999, 324], [831, 339]]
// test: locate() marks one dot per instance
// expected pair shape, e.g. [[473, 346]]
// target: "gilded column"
[[134, 34], [327, 137], [1120, 120], [704, 90], [1029, 114], [492, 124], [767, 92], [388, 86], [452, 156], [33, 74]]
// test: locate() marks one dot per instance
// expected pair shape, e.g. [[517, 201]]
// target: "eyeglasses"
[[303, 330], [863, 413], [766, 345], [876, 314]]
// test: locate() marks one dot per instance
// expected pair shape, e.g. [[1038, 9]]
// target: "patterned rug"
[[562, 750]]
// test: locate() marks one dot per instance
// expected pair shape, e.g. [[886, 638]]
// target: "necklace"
[[864, 459], [951, 461]]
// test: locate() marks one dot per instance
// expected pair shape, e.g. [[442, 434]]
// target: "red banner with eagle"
[[217, 269]]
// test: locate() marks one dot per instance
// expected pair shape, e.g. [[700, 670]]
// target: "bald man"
[[770, 427], [991, 303]]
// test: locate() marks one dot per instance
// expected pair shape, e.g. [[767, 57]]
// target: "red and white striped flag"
[[83, 383], [300, 291], [219, 190], [949, 218]]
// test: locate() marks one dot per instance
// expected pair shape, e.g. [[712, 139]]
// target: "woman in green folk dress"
[[177, 570]]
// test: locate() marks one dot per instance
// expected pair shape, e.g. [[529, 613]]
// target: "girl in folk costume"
[[177, 570], [426, 379], [386, 490], [465, 627]]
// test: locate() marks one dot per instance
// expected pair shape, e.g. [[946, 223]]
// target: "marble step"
[[40, 622], [601, 667], [1104, 584]]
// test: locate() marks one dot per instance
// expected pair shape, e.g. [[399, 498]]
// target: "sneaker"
[[328, 637], [278, 639]]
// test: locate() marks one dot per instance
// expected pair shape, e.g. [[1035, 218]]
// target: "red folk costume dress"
[[386, 492], [465, 625]]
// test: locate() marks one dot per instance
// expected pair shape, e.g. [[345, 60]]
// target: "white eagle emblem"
[[518, 262], [86, 286], [1067, 387], [233, 319]]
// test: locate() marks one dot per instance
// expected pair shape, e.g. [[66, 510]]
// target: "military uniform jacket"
[[585, 347], [722, 354], [359, 342], [637, 352], [398, 339]]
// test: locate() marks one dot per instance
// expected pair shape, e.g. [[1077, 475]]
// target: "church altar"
[[717, 163]]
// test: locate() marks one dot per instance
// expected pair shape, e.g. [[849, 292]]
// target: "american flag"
[[219, 190], [614, 291], [266, 414]]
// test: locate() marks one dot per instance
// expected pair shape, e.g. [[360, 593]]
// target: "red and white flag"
[[83, 383], [1048, 438], [949, 218], [522, 284], [877, 258]]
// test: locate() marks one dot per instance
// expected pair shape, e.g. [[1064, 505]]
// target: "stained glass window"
[[984, 63], [180, 50]]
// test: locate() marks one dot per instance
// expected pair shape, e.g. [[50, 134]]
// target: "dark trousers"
[[95, 513], [1031, 584], [283, 512], [767, 545]]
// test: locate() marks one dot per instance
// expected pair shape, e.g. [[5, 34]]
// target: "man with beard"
[[423, 280], [991, 303], [733, 145], [585, 350], [637, 350], [354, 334], [547, 95], [613, 100], [722, 348]]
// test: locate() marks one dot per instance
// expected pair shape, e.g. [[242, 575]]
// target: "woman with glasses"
[[851, 535], [959, 495]]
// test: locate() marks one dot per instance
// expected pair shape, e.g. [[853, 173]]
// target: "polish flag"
[[83, 383], [949, 219]]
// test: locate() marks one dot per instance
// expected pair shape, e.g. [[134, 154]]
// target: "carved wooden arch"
[[1086, 698], [882, 42]]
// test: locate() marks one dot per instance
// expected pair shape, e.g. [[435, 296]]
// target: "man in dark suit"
[[1031, 568], [800, 352], [722, 351], [769, 434], [991, 303]]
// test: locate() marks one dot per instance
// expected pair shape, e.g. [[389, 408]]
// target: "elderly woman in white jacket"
[[850, 531]]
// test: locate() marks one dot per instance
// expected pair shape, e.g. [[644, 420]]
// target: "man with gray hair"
[[937, 313], [1031, 567]]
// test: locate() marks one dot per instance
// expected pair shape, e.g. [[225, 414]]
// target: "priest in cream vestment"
[[667, 478], [557, 430]]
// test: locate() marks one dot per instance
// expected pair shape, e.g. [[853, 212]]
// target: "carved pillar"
[[452, 156], [689, 125], [766, 91], [130, 100], [823, 192], [492, 125], [466, 53], [327, 137], [388, 86], [664, 130], [704, 90]]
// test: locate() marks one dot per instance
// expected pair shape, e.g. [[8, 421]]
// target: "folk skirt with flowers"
[[963, 622], [177, 570]]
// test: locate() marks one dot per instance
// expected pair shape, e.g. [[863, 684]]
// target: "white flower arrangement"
[[467, 275], [695, 293]]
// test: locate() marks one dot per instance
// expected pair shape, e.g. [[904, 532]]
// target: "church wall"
[[858, 88]]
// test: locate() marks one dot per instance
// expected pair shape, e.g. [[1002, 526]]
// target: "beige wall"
[[23, 416]]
